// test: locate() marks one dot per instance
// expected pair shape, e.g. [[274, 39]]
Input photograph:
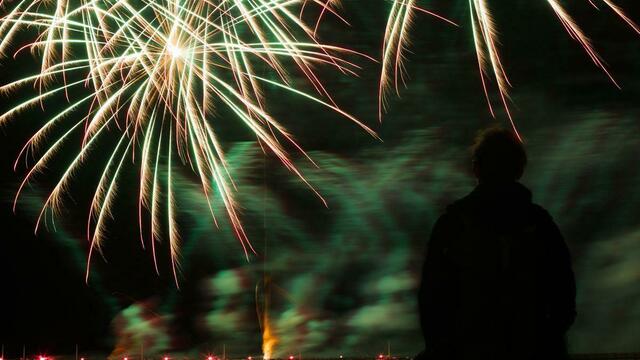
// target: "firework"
[[484, 37], [396, 39], [485, 41], [155, 71]]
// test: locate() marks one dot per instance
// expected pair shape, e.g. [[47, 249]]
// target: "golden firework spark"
[[485, 40], [396, 40]]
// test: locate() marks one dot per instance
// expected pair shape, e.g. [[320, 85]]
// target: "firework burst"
[[156, 71]]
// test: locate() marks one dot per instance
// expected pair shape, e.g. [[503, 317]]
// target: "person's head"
[[498, 156]]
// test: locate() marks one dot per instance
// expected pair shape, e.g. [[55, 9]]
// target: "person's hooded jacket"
[[497, 281]]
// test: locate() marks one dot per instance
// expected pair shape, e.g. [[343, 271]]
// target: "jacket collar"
[[509, 191]]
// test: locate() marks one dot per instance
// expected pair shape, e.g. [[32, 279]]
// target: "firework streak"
[[485, 41]]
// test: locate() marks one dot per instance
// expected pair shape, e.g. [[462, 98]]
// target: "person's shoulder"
[[543, 220], [463, 209], [460, 205], [540, 212], [455, 213]]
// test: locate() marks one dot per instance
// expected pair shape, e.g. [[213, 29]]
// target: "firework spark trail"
[[578, 35], [328, 6], [620, 12], [484, 31], [484, 36], [396, 39], [154, 71]]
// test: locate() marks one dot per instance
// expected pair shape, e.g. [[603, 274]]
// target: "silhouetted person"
[[497, 281]]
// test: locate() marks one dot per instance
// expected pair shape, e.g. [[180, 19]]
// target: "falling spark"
[[578, 35], [484, 30], [396, 40], [153, 72], [618, 10], [489, 62]]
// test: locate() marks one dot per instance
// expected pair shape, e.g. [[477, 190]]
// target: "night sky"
[[582, 139]]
